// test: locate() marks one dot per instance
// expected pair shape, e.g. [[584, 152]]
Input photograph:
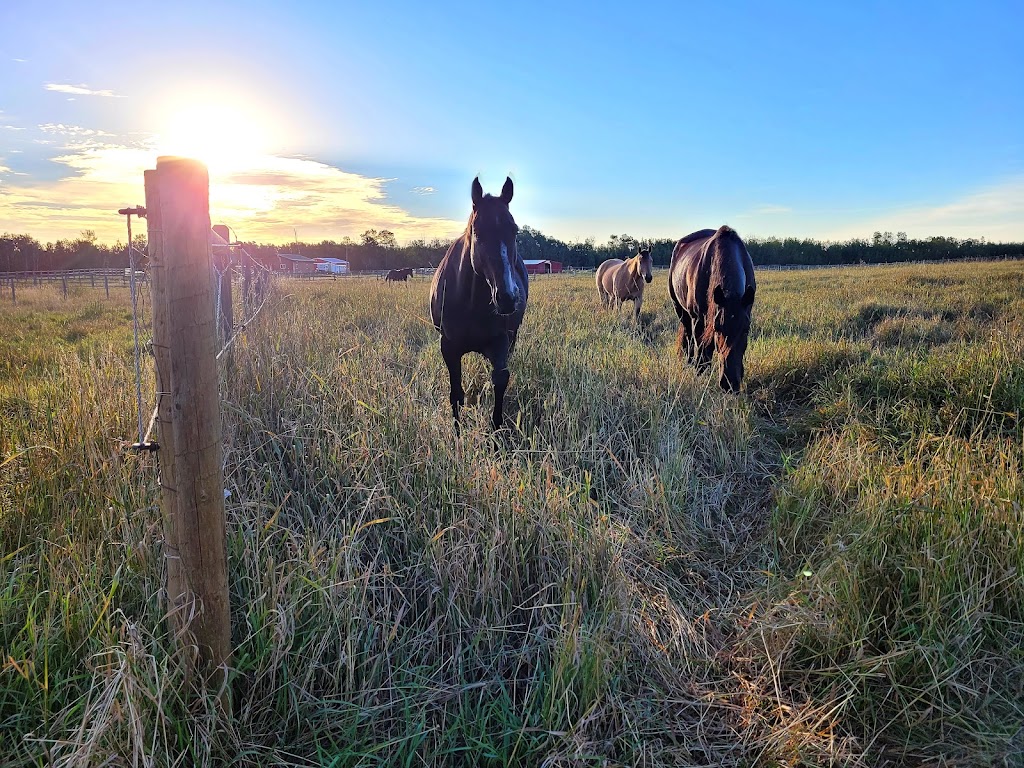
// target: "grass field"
[[825, 570]]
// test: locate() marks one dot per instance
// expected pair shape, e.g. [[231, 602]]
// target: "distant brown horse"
[[394, 275], [621, 281], [478, 296], [711, 282]]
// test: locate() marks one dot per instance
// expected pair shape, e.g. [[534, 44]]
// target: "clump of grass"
[[913, 331]]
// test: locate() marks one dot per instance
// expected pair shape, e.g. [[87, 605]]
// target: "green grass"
[[823, 571]]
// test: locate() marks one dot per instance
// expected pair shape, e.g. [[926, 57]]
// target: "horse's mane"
[[724, 237]]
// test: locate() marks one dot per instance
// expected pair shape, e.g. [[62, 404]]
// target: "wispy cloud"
[[424, 190], [262, 202], [767, 209], [995, 213], [20, 61], [12, 128], [71, 130], [81, 90]]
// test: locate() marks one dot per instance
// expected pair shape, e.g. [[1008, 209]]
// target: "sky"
[[319, 120]]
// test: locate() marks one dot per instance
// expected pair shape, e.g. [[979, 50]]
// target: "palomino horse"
[[621, 281], [394, 275], [478, 296], [711, 282]]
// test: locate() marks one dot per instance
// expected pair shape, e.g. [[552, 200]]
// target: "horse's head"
[[731, 328], [492, 246], [643, 263]]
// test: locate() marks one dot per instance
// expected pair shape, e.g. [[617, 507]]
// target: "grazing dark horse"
[[711, 282], [478, 296], [394, 275]]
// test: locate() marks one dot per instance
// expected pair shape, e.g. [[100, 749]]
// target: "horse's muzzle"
[[506, 303], [649, 278], [505, 309]]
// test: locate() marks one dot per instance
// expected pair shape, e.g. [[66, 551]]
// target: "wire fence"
[[244, 287]]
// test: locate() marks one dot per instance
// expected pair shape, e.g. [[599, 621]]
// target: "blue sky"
[[653, 119]]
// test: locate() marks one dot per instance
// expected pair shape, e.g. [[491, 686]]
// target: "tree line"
[[379, 249]]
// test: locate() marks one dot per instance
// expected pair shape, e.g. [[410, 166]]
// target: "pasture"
[[825, 570]]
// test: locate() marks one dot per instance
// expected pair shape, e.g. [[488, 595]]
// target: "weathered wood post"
[[106, 284], [185, 347], [64, 285]]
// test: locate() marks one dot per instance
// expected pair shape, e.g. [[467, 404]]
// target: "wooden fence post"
[[185, 346], [106, 282]]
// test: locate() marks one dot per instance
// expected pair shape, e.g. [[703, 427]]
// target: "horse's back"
[[694, 267], [686, 278]]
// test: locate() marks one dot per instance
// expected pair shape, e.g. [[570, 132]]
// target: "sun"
[[227, 137]]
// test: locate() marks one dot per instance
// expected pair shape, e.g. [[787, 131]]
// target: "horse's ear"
[[748, 296], [719, 296], [478, 192], [506, 191]]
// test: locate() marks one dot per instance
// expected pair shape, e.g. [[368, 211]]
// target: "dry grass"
[[824, 571]]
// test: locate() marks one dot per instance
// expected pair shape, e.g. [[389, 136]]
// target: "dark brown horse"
[[394, 275], [711, 282], [478, 296]]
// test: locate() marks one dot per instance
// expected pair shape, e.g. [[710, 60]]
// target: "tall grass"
[[642, 571]]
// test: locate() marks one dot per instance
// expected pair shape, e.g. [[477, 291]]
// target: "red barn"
[[542, 266]]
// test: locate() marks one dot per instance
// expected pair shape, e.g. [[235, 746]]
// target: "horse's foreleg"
[[637, 303], [684, 340], [499, 377], [453, 359], [702, 350]]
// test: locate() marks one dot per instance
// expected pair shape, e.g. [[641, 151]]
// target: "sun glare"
[[226, 137]]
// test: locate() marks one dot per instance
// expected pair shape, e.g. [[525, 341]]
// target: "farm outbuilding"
[[297, 265], [542, 266], [332, 266]]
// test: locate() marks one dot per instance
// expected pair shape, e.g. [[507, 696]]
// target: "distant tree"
[[386, 239]]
